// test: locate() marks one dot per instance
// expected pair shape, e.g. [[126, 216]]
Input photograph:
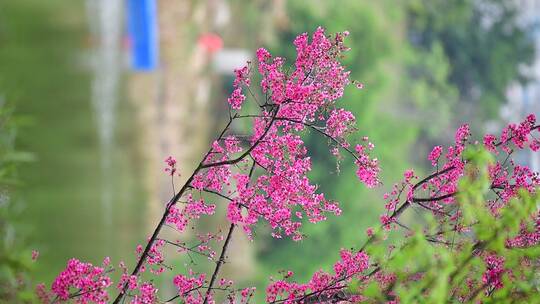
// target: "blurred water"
[[83, 195], [105, 23]]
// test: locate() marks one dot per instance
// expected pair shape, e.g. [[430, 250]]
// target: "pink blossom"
[[409, 174], [368, 169], [82, 278], [187, 287], [171, 165], [350, 266], [340, 123], [42, 294], [237, 99], [369, 231], [147, 294], [242, 77], [494, 271], [35, 255], [435, 154], [463, 133], [489, 142], [386, 221]]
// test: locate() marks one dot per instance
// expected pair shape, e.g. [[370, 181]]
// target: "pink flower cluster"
[[340, 123], [438, 189], [281, 188], [282, 194], [519, 134], [242, 77], [82, 281], [187, 287], [147, 294], [368, 169], [506, 176], [216, 178], [350, 266], [494, 271], [35, 255], [435, 154], [192, 209], [156, 257], [140, 292], [526, 237], [43, 294], [130, 280], [237, 98], [351, 263], [274, 79], [171, 165]]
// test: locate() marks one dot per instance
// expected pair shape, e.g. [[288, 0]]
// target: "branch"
[[185, 248], [248, 151], [219, 263], [159, 226], [433, 199]]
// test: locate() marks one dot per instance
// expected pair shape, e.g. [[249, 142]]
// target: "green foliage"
[[44, 73], [482, 42], [15, 258], [429, 272]]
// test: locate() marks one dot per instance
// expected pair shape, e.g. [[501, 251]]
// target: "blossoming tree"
[[474, 235]]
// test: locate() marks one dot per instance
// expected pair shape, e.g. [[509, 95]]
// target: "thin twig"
[[219, 263]]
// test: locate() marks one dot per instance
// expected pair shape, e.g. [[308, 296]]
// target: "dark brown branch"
[[433, 175], [185, 248], [433, 199], [248, 151], [511, 137], [219, 263], [163, 219], [316, 129], [221, 259], [215, 193]]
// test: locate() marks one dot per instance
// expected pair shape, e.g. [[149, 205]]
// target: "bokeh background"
[[95, 94]]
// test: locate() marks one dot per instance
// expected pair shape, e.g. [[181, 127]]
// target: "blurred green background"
[[84, 132]]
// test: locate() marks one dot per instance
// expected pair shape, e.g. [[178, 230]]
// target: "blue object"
[[142, 27]]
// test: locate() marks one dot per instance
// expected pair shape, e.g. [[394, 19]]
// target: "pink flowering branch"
[[158, 228], [221, 259], [262, 176], [177, 197], [248, 151], [273, 82], [393, 217]]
